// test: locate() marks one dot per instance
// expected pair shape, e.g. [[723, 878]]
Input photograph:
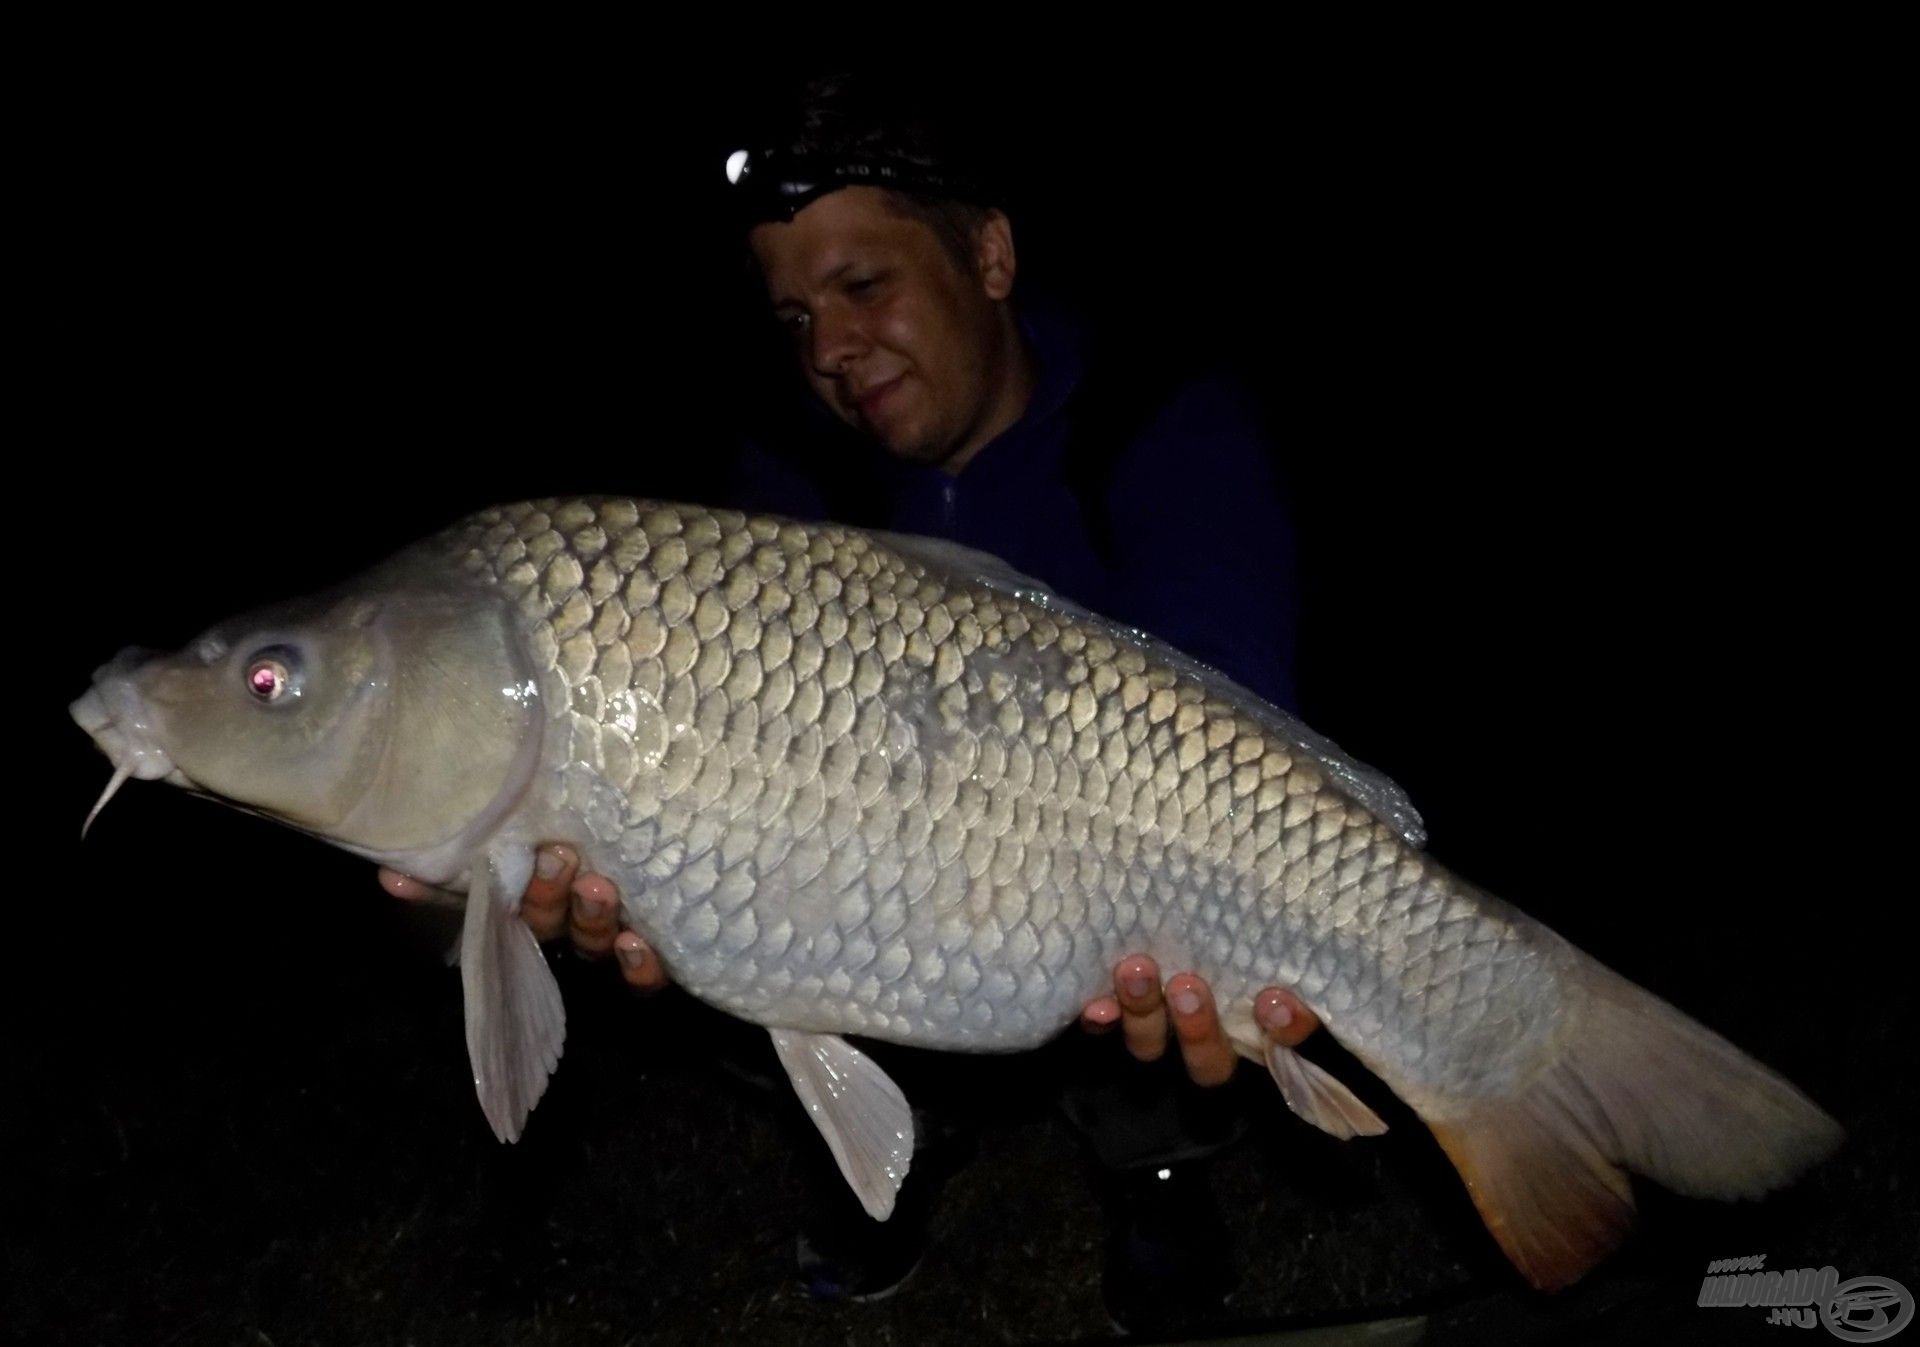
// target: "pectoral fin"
[[858, 1109], [516, 1023]]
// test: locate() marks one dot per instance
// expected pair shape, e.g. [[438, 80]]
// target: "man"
[[979, 422]]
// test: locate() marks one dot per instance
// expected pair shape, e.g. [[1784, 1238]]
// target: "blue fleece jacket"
[[1169, 517]]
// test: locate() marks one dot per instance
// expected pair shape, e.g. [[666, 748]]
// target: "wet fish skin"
[[856, 784], [854, 796], [929, 781]]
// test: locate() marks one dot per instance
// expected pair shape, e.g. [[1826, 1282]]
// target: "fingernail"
[[1136, 987], [632, 956], [595, 906], [548, 864], [1186, 1001], [1279, 1016]]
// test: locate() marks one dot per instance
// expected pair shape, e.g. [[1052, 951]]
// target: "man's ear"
[[993, 255]]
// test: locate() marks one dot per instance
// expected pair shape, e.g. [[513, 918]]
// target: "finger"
[[404, 886], [1284, 1017], [544, 906], [593, 925], [1101, 1015], [1203, 1043], [639, 965], [418, 891], [1143, 1016]]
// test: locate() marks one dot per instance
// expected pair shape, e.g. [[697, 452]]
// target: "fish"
[[860, 784]]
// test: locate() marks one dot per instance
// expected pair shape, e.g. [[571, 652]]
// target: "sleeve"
[[1203, 541]]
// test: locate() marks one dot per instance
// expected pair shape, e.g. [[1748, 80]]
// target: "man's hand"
[[586, 907], [560, 898], [1142, 1012]]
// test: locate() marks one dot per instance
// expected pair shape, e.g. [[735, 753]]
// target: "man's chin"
[[928, 454], [902, 442]]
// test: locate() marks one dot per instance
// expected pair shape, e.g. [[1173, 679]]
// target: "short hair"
[[842, 118]]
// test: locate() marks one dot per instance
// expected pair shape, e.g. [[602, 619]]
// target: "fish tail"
[[1638, 1086]]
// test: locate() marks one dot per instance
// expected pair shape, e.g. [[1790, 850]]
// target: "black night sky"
[[1571, 366]]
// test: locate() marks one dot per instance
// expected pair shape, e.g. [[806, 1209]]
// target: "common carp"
[[860, 783]]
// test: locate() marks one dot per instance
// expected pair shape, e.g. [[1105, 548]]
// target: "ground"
[[277, 1143]]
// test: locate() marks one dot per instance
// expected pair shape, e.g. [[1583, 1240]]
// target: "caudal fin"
[[1638, 1086]]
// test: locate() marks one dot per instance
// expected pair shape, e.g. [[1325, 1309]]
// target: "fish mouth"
[[114, 715]]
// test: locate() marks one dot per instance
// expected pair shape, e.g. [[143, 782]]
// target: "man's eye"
[[791, 322], [863, 285]]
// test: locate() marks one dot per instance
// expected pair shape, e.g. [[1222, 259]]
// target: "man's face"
[[893, 336]]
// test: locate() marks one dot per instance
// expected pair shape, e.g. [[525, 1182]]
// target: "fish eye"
[[273, 674]]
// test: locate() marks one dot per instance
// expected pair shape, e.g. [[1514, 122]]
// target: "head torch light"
[[777, 185]]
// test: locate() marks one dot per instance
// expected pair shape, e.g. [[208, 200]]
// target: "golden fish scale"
[[844, 792]]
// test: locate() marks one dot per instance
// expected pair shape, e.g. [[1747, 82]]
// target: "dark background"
[[1571, 363]]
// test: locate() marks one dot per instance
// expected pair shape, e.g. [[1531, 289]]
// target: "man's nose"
[[838, 340]]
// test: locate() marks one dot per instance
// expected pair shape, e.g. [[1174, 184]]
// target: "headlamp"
[[777, 185]]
